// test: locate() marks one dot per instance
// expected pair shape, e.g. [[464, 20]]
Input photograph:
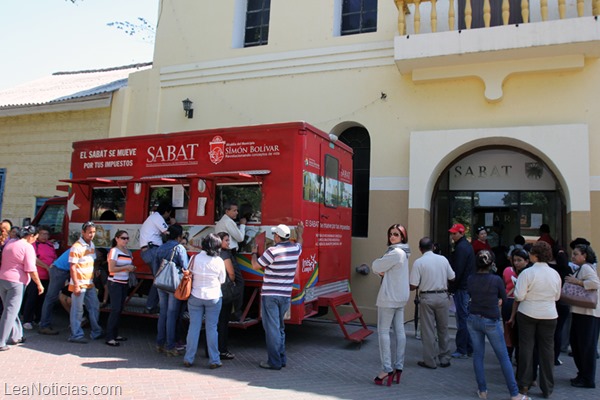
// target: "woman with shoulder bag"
[[120, 264], [208, 271], [169, 305], [585, 322]]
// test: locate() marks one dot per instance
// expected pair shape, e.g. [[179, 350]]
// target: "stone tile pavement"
[[321, 365]]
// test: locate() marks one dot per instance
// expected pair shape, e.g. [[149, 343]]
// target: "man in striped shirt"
[[81, 261], [279, 263]]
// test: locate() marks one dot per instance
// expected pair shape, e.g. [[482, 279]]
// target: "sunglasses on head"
[[87, 225]]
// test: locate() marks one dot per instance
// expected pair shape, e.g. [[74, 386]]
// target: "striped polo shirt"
[[280, 263], [121, 260], [83, 255]]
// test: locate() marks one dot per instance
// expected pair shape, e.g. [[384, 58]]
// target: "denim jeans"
[[118, 294], [386, 318], [149, 257], [273, 312], [57, 282], [167, 319], [208, 309], [463, 340], [11, 294], [89, 297], [480, 328]]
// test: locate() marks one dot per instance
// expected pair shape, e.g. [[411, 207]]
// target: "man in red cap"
[[463, 264]]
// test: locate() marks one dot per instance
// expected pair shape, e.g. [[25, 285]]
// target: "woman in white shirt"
[[208, 273], [537, 290], [585, 323]]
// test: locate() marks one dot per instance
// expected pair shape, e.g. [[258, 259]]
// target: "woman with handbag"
[[585, 322], [208, 273], [120, 264], [169, 306]]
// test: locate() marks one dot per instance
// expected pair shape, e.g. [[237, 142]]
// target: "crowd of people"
[[517, 309], [85, 279]]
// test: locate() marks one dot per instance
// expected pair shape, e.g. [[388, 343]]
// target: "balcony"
[[492, 39]]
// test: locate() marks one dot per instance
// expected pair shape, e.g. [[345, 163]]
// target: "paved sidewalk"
[[321, 365]]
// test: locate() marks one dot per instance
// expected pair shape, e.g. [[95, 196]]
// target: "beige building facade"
[[484, 120], [515, 101]]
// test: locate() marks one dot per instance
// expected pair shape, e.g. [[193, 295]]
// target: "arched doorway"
[[508, 191], [357, 137]]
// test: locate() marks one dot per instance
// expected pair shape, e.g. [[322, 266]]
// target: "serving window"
[[177, 195], [248, 197], [108, 204]]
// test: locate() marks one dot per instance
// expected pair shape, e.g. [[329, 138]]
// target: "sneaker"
[[160, 349], [12, 342], [226, 356], [482, 395], [215, 366], [557, 362], [47, 331], [28, 326], [459, 355]]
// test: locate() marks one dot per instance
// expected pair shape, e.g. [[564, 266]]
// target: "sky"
[[40, 37]]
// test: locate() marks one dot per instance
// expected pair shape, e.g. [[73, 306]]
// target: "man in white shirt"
[[150, 239], [228, 225], [430, 274]]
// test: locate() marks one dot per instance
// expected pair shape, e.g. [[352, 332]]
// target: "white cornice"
[[279, 64]]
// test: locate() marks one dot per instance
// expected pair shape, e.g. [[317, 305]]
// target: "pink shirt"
[[46, 253], [18, 259]]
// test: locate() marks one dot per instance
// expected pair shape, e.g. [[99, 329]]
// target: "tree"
[[142, 29]]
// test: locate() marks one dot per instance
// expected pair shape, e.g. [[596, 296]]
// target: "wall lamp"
[[187, 107]]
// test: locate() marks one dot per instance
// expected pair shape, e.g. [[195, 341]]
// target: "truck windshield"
[[53, 217]]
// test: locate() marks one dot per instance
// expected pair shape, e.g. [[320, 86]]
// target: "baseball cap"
[[282, 231], [457, 228]]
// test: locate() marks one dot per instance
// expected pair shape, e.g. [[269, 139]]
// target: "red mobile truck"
[[277, 173]]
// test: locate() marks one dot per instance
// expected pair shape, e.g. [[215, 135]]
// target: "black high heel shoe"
[[385, 380], [396, 375]]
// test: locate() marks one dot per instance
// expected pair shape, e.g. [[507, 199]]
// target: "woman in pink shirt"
[[18, 267]]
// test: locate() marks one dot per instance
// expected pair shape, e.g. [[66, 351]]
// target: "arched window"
[[358, 138]]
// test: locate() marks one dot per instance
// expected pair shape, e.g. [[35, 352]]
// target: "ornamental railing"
[[422, 16]]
